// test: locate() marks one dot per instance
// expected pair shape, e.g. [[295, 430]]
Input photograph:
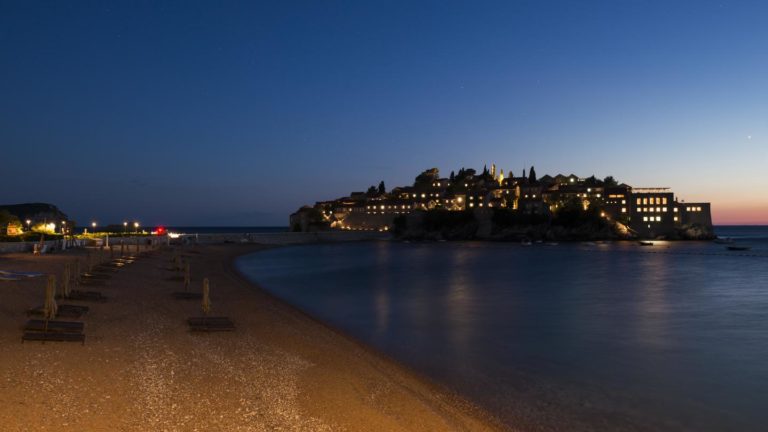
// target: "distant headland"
[[497, 206]]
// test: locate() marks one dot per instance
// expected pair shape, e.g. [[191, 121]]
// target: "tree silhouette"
[[532, 175], [382, 188]]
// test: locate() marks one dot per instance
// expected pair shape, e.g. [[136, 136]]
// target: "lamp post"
[[93, 225], [28, 224], [136, 226], [125, 227], [63, 227]]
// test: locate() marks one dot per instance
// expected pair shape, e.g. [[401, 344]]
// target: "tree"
[[610, 182], [532, 175], [427, 177], [452, 177], [371, 191], [382, 188]]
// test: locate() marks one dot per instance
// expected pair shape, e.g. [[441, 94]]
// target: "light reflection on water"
[[607, 336]]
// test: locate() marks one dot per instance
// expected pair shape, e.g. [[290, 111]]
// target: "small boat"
[[738, 248], [646, 243]]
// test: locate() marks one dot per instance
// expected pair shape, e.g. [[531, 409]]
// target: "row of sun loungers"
[[72, 331]]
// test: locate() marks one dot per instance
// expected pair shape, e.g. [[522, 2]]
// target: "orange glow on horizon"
[[739, 214]]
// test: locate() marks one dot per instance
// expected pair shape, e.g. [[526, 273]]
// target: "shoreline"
[[388, 361], [141, 369]]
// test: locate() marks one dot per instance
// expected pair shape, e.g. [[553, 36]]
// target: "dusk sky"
[[238, 113]]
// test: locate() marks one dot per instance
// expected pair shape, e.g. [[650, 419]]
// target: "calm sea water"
[[556, 337]]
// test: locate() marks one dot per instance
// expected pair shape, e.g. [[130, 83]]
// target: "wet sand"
[[142, 370]]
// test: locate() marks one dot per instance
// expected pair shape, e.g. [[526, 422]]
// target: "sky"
[[237, 113]]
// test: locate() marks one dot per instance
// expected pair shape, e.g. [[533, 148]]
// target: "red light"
[[160, 230]]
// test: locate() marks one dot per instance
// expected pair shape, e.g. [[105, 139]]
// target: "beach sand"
[[142, 370]]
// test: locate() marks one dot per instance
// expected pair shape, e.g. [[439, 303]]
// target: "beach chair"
[[62, 311], [53, 337], [210, 324], [36, 325], [79, 295]]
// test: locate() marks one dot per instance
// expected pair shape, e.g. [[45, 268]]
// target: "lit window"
[[650, 209], [698, 208], [645, 218], [623, 202], [423, 195], [675, 218], [471, 204], [639, 201], [675, 209], [623, 210], [687, 209], [658, 209], [598, 195], [664, 209], [664, 200], [645, 201], [658, 218]]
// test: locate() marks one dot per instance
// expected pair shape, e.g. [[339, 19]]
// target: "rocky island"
[[494, 206]]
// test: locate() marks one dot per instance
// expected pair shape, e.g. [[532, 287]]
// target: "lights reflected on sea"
[[613, 336]]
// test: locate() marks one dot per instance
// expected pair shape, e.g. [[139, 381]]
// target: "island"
[[492, 205]]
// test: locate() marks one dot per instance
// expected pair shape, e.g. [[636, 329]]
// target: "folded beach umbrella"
[[206, 304], [65, 278], [187, 277], [49, 307], [77, 272]]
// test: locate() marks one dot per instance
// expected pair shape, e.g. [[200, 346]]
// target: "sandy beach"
[[142, 370]]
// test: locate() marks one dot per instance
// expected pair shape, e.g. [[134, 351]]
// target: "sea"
[[568, 336]]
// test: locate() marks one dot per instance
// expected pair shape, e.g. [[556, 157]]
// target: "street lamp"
[[125, 227], [93, 224], [28, 222], [136, 225], [63, 227]]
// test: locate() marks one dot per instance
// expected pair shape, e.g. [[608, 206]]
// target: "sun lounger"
[[210, 324], [53, 337], [62, 311], [187, 295], [54, 326], [86, 296], [93, 282], [96, 275]]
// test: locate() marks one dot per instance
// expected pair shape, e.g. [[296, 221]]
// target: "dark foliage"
[[572, 215], [505, 218]]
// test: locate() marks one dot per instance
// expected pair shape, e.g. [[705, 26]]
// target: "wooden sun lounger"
[[95, 275], [210, 324], [94, 282], [53, 337], [54, 326], [63, 311], [86, 296], [187, 295]]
